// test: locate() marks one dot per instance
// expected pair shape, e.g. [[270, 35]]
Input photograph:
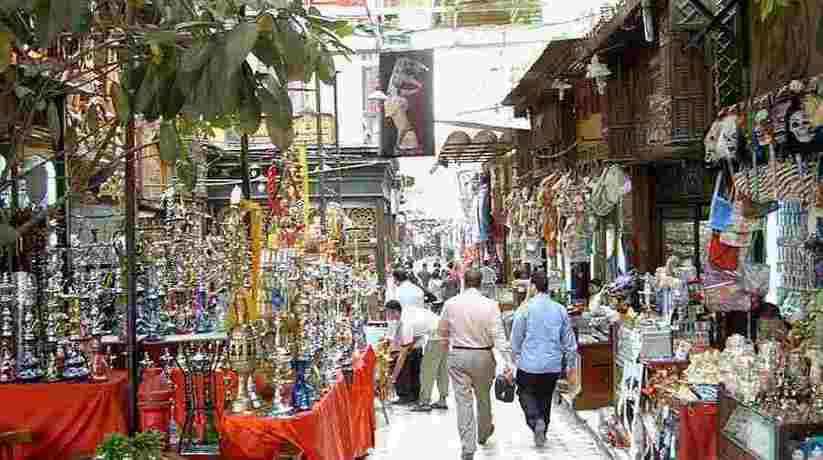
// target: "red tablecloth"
[[698, 433], [340, 427], [66, 419]]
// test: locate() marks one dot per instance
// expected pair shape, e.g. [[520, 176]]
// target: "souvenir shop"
[[715, 354], [250, 328]]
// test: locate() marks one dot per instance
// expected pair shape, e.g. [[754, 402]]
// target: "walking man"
[[405, 308], [542, 337], [471, 324]]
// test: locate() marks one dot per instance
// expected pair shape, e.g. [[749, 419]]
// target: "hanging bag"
[[720, 214], [722, 256]]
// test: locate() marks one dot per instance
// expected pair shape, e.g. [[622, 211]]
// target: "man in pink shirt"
[[471, 324]]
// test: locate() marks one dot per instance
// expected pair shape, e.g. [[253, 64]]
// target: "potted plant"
[[143, 446], [114, 447]]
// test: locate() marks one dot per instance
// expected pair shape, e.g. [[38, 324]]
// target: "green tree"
[[189, 64]]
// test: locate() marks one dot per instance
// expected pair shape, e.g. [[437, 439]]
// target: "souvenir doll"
[[711, 142], [729, 138]]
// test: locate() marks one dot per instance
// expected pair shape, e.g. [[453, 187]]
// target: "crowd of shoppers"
[[535, 346]]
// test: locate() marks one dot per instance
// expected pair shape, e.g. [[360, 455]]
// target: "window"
[[39, 177], [685, 233]]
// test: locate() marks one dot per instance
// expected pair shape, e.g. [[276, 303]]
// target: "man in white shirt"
[[409, 336], [472, 325], [406, 292]]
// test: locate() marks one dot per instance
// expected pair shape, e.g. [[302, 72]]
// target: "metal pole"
[[337, 143], [131, 276], [319, 149], [244, 165]]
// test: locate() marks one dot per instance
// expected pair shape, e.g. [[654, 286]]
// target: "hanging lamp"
[[599, 72], [561, 86]]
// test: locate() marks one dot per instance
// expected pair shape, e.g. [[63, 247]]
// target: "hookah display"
[[199, 363]]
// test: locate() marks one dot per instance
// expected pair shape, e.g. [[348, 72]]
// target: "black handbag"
[[503, 389]]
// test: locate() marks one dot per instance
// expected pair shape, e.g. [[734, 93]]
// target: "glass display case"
[[745, 434]]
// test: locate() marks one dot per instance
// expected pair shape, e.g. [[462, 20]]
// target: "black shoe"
[[403, 401], [467, 456], [440, 405], [540, 434], [422, 408], [483, 441]]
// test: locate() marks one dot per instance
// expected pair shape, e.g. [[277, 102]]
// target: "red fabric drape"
[[67, 420], [698, 433], [340, 427]]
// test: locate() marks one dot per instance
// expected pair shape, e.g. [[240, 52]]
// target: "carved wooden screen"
[[690, 103], [619, 122]]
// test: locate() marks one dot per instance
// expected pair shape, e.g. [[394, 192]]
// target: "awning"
[[460, 148]]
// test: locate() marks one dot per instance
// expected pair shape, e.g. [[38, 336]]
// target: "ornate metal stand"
[[198, 362]]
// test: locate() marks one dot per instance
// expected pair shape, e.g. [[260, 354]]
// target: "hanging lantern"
[[561, 86], [599, 72]]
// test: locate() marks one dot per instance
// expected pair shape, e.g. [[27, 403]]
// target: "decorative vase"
[[302, 392]]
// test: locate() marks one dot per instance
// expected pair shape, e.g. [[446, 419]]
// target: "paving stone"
[[433, 436]]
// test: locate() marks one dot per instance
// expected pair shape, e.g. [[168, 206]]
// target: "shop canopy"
[[460, 148]]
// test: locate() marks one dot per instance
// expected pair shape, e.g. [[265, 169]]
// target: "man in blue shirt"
[[542, 336]]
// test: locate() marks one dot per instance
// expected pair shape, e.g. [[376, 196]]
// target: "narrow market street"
[[413, 436]]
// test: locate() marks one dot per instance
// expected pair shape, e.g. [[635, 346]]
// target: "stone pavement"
[[433, 436]]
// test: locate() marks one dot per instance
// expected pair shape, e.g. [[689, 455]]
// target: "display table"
[[341, 426], [66, 420], [596, 361]]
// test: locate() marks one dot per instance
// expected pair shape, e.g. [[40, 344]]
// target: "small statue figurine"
[[53, 371], [100, 370], [29, 326], [7, 367]]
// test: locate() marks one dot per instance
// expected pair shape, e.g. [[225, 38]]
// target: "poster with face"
[[408, 125]]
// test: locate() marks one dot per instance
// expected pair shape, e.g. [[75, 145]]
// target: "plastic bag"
[[720, 213]]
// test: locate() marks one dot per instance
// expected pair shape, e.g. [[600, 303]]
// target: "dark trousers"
[[535, 392], [408, 382]]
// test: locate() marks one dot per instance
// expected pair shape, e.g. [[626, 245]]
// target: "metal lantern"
[[599, 72], [561, 86]]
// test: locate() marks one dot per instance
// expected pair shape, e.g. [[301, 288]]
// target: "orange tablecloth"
[[66, 419], [340, 427]]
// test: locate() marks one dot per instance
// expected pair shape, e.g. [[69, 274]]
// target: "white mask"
[[727, 143], [800, 126]]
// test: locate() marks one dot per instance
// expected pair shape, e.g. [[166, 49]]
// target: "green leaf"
[[147, 93], [266, 51], [22, 92], [197, 56], [5, 50], [279, 136], [820, 35], [168, 141], [239, 43], [326, 69], [55, 125], [8, 235]]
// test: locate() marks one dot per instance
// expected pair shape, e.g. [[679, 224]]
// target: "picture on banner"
[[408, 125]]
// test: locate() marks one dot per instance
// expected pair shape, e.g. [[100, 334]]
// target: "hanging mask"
[[711, 142], [762, 129], [727, 143], [778, 116], [800, 126]]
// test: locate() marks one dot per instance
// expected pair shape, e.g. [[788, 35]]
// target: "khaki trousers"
[[434, 366], [472, 374]]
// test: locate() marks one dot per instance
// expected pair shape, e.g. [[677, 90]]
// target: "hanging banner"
[[406, 78]]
